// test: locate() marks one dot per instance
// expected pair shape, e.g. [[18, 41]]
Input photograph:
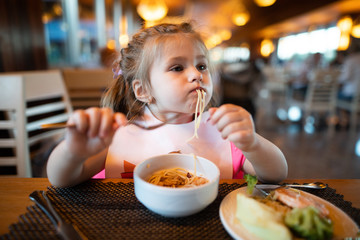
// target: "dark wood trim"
[[22, 41]]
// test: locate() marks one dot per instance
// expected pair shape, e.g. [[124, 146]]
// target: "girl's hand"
[[93, 131], [235, 124]]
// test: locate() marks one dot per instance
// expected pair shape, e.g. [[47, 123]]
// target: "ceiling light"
[[344, 41], [240, 15], [264, 3], [111, 44], [345, 24], [225, 34], [123, 40], [240, 19], [46, 17], [355, 31], [152, 10], [266, 48], [57, 9]]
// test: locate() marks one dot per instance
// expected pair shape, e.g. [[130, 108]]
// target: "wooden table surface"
[[14, 194]]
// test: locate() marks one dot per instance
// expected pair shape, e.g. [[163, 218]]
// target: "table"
[[14, 193]]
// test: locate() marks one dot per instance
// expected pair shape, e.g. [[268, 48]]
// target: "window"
[[77, 31], [324, 41], [55, 32]]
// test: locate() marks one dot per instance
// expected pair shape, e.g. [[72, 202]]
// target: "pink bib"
[[131, 145]]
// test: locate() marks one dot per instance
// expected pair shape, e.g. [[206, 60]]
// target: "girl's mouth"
[[199, 88]]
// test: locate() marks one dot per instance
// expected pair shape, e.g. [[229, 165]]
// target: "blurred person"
[[338, 61], [302, 74], [240, 84], [349, 78]]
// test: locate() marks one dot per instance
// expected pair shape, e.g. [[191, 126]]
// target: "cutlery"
[[314, 185], [65, 125], [265, 189], [66, 230]]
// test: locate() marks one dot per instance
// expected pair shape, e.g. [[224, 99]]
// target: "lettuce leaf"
[[251, 182]]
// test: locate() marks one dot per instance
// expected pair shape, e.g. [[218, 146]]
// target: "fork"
[[65, 125], [67, 230]]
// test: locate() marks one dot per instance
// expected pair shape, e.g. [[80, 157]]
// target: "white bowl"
[[176, 202]]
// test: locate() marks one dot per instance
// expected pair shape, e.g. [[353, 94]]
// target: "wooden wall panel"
[[22, 41]]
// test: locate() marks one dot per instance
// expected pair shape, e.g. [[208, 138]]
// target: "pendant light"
[[345, 24], [344, 41], [264, 3], [240, 15], [355, 31], [152, 10], [266, 47]]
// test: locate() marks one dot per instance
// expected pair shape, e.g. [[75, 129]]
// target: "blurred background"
[[290, 63]]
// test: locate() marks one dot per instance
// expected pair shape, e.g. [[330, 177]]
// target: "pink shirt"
[[237, 157], [131, 145]]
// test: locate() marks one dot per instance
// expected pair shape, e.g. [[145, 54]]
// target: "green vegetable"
[[251, 182], [308, 223]]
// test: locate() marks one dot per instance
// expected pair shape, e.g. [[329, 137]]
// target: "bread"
[[261, 220]]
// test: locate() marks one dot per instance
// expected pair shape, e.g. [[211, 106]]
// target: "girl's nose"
[[195, 75]]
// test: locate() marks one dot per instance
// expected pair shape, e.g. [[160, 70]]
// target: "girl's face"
[[175, 75]]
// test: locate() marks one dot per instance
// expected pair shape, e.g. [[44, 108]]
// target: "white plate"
[[344, 226]]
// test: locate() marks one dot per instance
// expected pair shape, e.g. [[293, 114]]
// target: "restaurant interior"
[[292, 64], [59, 53]]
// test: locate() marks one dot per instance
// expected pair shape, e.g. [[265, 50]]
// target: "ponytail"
[[114, 96]]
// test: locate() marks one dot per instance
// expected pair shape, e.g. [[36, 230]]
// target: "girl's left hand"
[[235, 124]]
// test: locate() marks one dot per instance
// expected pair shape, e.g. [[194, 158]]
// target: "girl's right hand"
[[93, 131]]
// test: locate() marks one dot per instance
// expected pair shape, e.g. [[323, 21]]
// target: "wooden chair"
[[28, 100], [320, 97], [275, 88], [86, 86], [13, 129], [353, 107]]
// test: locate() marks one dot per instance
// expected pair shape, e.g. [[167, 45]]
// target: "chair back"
[[13, 141], [320, 98], [86, 86], [39, 97], [47, 101], [322, 91]]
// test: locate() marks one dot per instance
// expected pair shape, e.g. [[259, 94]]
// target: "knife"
[[66, 230], [314, 185]]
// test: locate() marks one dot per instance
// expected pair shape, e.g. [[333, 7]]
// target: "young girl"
[[162, 74]]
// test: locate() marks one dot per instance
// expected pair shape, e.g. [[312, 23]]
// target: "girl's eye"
[[177, 68], [202, 67]]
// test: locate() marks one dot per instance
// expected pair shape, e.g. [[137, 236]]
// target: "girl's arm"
[[71, 170], [264, 159], [83, 152]]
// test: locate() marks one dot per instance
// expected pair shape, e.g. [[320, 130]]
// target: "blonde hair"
[[135, 62]]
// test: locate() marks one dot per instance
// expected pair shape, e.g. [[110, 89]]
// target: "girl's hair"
[[135, 62]]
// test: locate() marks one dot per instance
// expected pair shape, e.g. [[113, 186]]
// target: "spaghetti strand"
[[200, 107], [176, 178]]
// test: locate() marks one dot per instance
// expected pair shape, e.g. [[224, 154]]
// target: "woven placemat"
[[111, 211]]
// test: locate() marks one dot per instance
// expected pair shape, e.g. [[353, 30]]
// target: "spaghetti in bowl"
[[176, 201]]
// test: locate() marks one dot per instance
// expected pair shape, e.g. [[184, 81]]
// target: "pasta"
[[200, 106], [176, 178], [179, 177]]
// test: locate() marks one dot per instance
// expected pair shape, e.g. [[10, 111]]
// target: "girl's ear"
[[140, 91]]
